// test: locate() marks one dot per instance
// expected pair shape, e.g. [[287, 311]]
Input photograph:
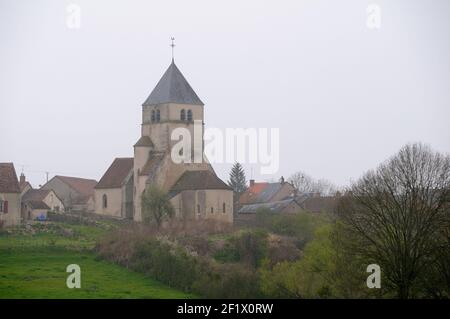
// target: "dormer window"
[[183, 115], [189, 115]]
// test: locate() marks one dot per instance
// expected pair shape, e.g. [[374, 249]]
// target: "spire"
[[173, 88], [173, 46]]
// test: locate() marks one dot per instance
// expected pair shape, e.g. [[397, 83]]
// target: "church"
[[194, 189]]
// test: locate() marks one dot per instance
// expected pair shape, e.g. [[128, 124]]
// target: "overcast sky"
[[344, 96]]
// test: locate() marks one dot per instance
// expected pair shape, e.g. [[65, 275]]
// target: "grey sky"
[[344, 97]]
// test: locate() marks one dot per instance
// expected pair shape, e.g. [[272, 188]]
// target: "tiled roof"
[[252, 192], [173, 88], [320, 204], [35, 195], [82, 185], [116, 173], [37, 204], [8, 179], [277, 206], [194, 180], [23, 185], [144, 141]]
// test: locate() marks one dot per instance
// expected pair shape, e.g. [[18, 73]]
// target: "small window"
[[4, 206], [183, 115], [212, 210], [153, 116], [224, 208], [105, 201], [198, 209], [189, 115], [158, 116]]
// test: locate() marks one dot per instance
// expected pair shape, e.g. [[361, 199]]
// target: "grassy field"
[[33, 265]]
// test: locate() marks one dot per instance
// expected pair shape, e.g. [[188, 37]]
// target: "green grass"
[[34, 266]]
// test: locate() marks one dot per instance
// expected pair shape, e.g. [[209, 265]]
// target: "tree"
[[156, 206], [304, 183], [398, 218], [237, 180]]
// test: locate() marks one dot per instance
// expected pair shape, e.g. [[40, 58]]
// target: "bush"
[[300, 225]]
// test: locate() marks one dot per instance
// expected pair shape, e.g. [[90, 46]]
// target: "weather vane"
[[172, 45]]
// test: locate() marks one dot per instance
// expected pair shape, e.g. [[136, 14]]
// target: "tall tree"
[[398, 217], [237, 180], [156, 206]]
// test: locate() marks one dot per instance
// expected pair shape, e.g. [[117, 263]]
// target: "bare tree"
[[304, 183], [398, 216]]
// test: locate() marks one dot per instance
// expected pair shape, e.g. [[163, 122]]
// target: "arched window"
[[158, 116], [212, 210], [105, 201], [189, 115], [153, 116], [224, 208], [183, 115]]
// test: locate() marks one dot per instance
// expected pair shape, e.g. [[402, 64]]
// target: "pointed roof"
[[116, 173], [173, 88], [8, 179]]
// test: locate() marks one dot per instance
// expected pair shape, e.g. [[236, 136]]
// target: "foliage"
[[301, 225], [237, 180], [249, 247], [156, 206]]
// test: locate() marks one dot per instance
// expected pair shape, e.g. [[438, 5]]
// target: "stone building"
[[37, 202], [194, 188], [114, 191], [9, 196], [77, 194]]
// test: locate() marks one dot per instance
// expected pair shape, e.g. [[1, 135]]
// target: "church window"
[[212, 210], [158, 116], [183, 115], [189, 115], [198, 209], [224, 208], [105, 201], [153, 115]]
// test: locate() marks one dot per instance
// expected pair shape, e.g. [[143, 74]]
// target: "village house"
[[195, 190], [76, 194], [37, 202], [9, 196], [264, 192], [281, 197]]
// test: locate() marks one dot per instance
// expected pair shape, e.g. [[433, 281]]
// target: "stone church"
[[194, 189]]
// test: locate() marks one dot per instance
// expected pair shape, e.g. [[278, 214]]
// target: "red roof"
[[8, 179], [252, 192]]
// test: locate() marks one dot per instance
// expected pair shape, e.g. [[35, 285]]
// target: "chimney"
[[282, 180], [252, 182], [22, 178]]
